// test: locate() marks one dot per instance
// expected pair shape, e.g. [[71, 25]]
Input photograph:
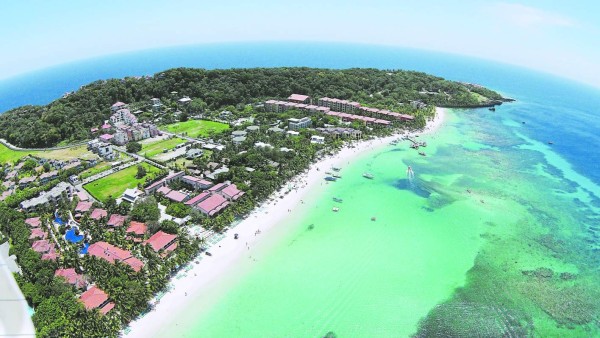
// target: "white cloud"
[[526, 16]]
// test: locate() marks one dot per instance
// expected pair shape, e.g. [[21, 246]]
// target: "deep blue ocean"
[[553, 108]]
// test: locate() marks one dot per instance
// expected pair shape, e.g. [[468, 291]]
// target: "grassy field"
[[115, 184], [12, 156], [155, 148], [197, 128]]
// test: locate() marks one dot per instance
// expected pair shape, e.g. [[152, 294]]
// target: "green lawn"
[[12, 156], [152, 149], [197, 128], [115, 184]]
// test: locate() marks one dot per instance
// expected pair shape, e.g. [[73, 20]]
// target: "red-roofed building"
[[33, 222], [41, 246], [163, 241], [106, 138], [177, 196], [95, 298], [116, 220], [231, 192], [117, 106], [197, 199], [298, 98], [82, 196], [98, 214], [161, 183], [50, 255], [83, 206], [212, 204], [111, 253], [37, 233], [163, 190], [71, 277], [196, 182], [137, 230]]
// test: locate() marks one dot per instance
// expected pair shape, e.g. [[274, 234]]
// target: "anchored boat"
[[368, 175]]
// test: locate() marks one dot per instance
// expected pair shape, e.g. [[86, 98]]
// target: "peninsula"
[[146, 173]]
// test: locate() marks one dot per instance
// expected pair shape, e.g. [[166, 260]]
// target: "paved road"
[[138, 157]]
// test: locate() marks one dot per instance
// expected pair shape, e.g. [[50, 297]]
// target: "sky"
[[557, 37]]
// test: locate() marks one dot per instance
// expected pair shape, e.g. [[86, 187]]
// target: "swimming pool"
[[72, 237], [84, 250]]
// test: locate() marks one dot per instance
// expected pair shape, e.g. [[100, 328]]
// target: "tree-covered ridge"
[[70, 118]]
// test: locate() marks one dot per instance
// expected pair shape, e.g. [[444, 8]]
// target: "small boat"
[[492, 109], [422, 153], [424, 144], [336, 168], [328, 173], [337, 199], [335, 209], [208, 253], [330, 178], [550, 142], [368, 175], [236, 236], [373, 218], [409, 171], [414, 146], [336, 176]]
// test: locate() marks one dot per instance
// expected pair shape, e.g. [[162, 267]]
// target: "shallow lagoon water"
[[489, 240]]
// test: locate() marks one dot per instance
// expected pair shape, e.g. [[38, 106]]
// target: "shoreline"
[[230, 256]]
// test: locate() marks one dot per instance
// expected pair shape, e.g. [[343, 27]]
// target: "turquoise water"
[[497, 235], [493, 237]]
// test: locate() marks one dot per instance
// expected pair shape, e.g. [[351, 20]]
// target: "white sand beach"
[[232, 256]]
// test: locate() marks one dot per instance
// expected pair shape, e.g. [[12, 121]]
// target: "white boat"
[[335, 209], [368, 175]]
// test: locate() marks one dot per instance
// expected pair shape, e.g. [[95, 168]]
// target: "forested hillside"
[[71, 117]]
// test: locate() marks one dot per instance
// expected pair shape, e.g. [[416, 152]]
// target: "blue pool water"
[[72, 237], [84, 250]]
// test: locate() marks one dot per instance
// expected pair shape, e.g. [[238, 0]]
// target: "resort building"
[[163, 182], [162, 241], [120, 138], [156, 105], [118, 106], [122, 116], [49, 176], [298, 98], [116, 220], [97, 214], [37, 234], [296, 124], [111, 254], [252, 129], [262, 145], [106, 138], [26, 181], [95, 298], [47, 197], [196, 182], [136, 231], [71, 277], [193, 153], [131, 195], [339, 132], [227, 190], [83, 206], [208, 203], [33, 222], [177, 196], [184, 100], [315, 139]]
